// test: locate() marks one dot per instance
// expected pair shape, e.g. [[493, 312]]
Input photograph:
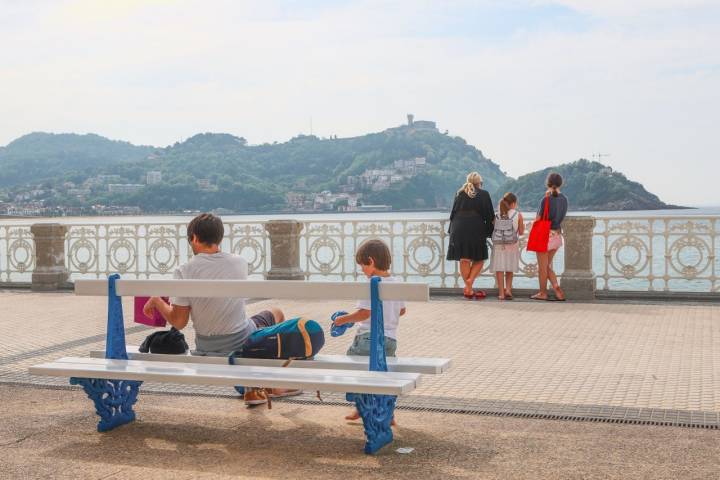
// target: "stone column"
[[578, 278], [284, 250], [50, 271]]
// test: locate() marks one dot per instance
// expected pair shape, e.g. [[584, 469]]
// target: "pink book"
[[156, 320]]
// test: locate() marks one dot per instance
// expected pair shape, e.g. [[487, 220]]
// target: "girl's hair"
[[508, 199], [378, 251], [554, 181], [472, 184]]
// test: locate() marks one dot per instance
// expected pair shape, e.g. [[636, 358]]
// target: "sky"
[[531, 83]]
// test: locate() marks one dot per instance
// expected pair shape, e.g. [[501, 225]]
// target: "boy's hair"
[[378, 251], [208, 229]]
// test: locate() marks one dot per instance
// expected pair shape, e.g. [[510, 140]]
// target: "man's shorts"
[[263, 319]]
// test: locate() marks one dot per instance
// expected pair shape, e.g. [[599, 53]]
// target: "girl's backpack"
[[292, 339], [504, 232]]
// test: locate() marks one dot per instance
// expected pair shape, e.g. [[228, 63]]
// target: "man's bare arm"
[[176, 315]]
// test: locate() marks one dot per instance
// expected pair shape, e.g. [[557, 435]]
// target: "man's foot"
[[508, 295], [559, 294], [283, 392], [355, 415], [254, 396], [540, 296]]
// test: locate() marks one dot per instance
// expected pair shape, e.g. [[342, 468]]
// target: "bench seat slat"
[[384, 383], [423, 365]]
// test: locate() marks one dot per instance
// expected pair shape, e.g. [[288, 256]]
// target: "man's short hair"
[[208, 229], [378, 251]]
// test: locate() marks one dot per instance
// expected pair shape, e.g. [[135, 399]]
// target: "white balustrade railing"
[[418, 246], [153, 250], [17, 253], [660, 253], [657, 253]]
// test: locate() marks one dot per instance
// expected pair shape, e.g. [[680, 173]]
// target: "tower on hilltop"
[[410, 119]]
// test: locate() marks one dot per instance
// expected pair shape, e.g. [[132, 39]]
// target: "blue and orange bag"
[[298, 338]]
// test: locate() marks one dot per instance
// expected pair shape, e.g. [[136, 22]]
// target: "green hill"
[[37, 157], [588, 186]]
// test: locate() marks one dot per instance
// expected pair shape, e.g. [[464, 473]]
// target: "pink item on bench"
[[156, 320]]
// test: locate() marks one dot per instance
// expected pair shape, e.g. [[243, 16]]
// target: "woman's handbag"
[[540, 232]]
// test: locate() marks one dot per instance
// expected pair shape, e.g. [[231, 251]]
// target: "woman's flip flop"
[[479, 295]]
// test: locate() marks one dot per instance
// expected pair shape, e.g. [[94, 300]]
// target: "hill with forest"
[[39, 156], [588, 185], [412, 166]]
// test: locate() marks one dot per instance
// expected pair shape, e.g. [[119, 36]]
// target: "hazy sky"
[[530, 82]]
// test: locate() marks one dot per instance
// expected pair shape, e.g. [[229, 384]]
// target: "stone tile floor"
[[612, 360]]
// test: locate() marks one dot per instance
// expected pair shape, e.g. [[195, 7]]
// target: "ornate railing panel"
[[17, 253], [657, 253], [153, 250], [419, 251]]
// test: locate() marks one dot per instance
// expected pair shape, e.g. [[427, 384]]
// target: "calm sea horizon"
[[318, 217]]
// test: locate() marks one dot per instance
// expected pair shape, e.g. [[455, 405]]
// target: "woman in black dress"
[[471, 223]]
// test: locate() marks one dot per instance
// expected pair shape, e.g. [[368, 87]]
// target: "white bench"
[[424, 365], [113, 382]]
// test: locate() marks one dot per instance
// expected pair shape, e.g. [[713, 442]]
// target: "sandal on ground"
[[538, 297], [502, 298], [508, 297], [479, 295], [469, 296]]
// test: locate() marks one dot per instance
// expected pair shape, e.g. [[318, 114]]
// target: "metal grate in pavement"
[[504, 408]]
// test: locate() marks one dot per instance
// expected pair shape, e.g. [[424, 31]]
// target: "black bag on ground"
[[168, 341]]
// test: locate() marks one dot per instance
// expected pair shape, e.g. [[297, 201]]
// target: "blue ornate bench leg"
[[376, 411], [113, 399]]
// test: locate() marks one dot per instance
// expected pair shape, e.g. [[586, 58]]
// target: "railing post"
[[578, 278], [50, 271], [284, 250]]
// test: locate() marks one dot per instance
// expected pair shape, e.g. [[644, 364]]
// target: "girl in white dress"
[[509, 227]]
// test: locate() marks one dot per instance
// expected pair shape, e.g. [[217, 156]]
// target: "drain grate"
[[448, 405]]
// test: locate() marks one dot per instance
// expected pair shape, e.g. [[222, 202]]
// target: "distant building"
[[153, 177], [125, 187]]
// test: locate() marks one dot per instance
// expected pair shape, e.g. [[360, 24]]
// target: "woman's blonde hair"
[[472, 184]]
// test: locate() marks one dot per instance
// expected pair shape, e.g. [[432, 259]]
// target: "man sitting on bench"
[[221, 325]]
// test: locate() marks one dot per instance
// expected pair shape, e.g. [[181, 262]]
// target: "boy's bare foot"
[[355, 415]]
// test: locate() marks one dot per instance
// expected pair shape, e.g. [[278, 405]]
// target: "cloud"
[[530, 83]]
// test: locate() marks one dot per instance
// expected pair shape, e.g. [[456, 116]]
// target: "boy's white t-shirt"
[[391, 313]]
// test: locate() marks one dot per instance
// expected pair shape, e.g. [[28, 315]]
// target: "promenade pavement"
[[571, 358], [50, 434], [607, 362]]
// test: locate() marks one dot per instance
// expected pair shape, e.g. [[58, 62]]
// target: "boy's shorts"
[[361, 346]]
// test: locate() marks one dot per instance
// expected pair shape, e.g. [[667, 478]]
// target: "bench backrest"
[[300, 290]]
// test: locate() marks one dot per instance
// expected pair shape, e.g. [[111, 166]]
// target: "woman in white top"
[[509, 227]]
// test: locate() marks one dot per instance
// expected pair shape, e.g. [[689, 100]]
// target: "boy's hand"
[[338, 330], [149, 308]]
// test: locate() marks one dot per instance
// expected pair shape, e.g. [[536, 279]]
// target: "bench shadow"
[[272, 444]]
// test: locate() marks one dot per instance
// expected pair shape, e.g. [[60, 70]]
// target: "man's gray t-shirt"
[[221, 318]]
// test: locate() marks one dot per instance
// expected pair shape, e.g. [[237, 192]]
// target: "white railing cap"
[[301, 290]]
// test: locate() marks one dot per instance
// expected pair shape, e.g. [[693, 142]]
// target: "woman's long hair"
[[508, 199], [472, 184], [554, 181]]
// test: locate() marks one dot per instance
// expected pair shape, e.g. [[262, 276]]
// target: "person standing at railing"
[[471, 223], [509, 227], [557, 210]]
